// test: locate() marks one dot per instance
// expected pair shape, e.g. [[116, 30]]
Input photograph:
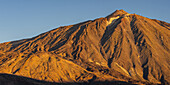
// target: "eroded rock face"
[[121, 46]]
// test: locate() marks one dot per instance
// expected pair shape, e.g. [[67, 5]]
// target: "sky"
[[20, 19]]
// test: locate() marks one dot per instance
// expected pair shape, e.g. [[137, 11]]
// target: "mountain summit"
[[121, 47], [117, 13]]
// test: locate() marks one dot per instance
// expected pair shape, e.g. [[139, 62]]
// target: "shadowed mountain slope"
[[7, 79], [120, 47]]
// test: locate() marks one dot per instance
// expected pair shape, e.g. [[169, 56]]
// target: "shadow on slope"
[[8, 79]]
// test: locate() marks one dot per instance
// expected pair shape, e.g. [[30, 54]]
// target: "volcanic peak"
[[128, 48], [118, 14]]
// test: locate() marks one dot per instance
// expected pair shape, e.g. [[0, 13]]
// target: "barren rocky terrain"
[[121, 48]]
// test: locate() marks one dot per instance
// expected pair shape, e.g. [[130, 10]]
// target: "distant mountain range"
[[121, 48]]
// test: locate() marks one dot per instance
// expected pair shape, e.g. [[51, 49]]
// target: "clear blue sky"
[[21, 19]]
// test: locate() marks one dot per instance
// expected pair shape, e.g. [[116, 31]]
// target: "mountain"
[[120, 47], [8, 79]]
